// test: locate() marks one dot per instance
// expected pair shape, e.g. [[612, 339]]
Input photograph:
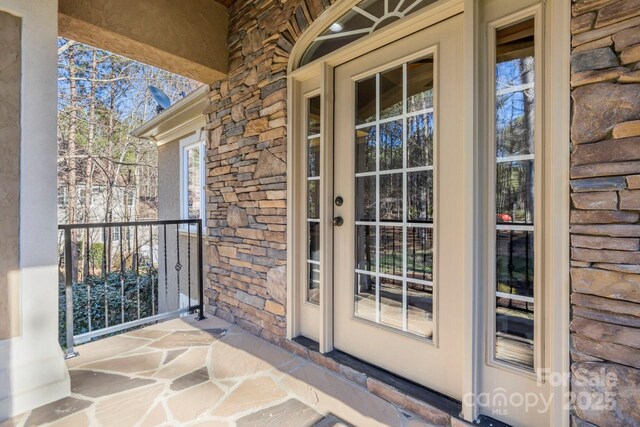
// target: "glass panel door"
[[397, 141], [394, 189]]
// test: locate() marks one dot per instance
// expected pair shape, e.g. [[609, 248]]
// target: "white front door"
[[398, 231]]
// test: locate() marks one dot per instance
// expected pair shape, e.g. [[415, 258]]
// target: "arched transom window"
[[364, 18]]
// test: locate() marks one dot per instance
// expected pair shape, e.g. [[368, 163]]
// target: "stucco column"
[[32, 369]]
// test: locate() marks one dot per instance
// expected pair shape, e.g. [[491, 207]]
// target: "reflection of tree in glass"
[[419, 253], [514, 192], [366, 149], [420, 196], [391, 250], [514, 107], [391, 145], [514, 262], [515, 136], [391, 197], [420, 140], [420, 101]]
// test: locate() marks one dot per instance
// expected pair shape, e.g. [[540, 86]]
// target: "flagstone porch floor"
[[208, 373]]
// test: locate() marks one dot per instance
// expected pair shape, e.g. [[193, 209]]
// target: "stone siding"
[[246, 183], [246, 166], [605, 194]]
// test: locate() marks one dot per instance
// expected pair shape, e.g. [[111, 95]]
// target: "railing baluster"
[[121, 278], [153, 285], [200, 272], [106, 277], [86, 260], [135, 236], [68, 266], [86, 279], [189, 264], [178, 265], [166, 270]]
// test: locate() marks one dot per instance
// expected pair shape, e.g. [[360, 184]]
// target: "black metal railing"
[[121, 275]]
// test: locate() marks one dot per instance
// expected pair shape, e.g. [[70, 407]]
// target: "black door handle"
[[338, 221]]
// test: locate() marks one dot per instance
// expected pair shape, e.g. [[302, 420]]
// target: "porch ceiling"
[[187, 37]]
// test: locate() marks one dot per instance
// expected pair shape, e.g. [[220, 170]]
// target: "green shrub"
[[117, 291]]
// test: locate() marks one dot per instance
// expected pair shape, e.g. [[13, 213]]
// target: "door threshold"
[[430, 405]]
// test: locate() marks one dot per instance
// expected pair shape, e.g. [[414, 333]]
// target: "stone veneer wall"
[[246, 184], [246, 177], [605, 194]]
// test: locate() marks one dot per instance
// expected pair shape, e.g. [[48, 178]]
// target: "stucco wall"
[[32, 370], [10, 74], [605, 226]]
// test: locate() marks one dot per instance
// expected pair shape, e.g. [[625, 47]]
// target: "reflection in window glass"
[[366, 101], [420, 309], [313, 157], [365, 296], [515, 169], [391, 302], [420, 85], [193, 181], [420, 140], [391, 145], [313, 199], [366, 149], [394, 140], [366, 191], [313, 234], [364, 18], [366, 247], [420, 200], [314, 116], [420, 253], [391, 197], [391, 93]]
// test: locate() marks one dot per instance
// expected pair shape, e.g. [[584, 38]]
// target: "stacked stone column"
[[246, 166], [605, 212]]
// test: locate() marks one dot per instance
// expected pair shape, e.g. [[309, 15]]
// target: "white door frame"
[[557, 17]]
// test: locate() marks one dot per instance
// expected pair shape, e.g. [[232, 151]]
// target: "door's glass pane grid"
[[394, 198], [515, 168], [313, 199]]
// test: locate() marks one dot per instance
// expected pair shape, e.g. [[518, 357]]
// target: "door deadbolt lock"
[[338, 221], [339, 201]]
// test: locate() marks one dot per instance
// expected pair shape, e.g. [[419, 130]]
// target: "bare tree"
[[105, 173]]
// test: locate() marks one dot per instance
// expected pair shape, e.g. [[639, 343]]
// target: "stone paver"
[[131, 364], [208, 373], [56, 410], [292, 411], [195, 403], [191, 379], [97, 384], [251, 394]]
